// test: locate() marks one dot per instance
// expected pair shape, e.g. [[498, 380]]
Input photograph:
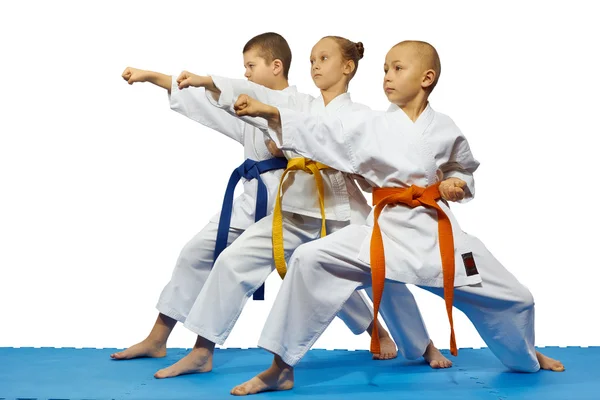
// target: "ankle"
[[155, 341], [204, 344], [383, 334], [370, 329], [281, 365]]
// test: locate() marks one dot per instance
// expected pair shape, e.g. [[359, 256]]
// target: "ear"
[[277, 66], [349, 66], [428, 78]]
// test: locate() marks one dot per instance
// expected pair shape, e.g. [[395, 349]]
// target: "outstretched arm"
[[224, 92], [195, 82], [192, 103], [327, 139], [133, 75], [187, 79]]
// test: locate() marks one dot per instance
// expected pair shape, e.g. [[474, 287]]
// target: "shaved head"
[[426, 55]]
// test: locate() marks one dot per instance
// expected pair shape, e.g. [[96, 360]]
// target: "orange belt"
[[308, 166], [413, 196]]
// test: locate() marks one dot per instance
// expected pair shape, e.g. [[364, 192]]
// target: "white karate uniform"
[[247, 263], [389, 150], [196, 258], [343, 199]]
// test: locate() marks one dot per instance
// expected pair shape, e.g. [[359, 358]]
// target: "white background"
[[102, 184]]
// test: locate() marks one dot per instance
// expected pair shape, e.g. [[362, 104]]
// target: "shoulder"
[[304, 97], [359, 107], [444, 121], [444, 132]]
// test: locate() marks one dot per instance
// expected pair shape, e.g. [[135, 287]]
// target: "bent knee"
[[308, 255], [525, 298], [199, 250], [190, 260], [231, 260]]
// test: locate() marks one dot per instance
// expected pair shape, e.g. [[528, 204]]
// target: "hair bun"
[[361, 50]]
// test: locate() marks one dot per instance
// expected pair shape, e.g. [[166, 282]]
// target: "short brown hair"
[[272, 46]]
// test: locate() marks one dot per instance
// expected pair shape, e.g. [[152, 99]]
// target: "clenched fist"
[[451, 189], [187, 79], [132, 75], [246, 105]]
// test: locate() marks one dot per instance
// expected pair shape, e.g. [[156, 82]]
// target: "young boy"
[[267, 59], [401, 154]]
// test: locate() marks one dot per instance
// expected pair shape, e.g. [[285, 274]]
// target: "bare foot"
[[387, 347], [549, 363], [146, 348], [197, 361], [436, 359], [279, 376]]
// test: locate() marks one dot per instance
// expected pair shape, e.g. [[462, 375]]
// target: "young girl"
[[314, 197], [267, 59]]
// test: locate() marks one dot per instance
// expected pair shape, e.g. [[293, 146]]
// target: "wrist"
[[199, 81], [270, 113], [273, 118], [149, 76]]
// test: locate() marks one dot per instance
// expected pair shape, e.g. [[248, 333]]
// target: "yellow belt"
[[295, 164]]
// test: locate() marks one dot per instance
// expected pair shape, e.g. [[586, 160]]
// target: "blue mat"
[[86, 374]]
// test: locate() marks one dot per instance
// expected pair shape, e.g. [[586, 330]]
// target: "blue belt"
[[250, 169]]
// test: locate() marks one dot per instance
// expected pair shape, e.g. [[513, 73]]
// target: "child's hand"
[[246, 105], [451, 189], [132, 75], [273, 149], [187, 79]]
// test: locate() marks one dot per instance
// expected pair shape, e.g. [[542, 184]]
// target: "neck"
[[280, 84], [334, 91], [415, 107]]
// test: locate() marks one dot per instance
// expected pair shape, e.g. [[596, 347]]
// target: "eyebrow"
[[393, 62], [318, 54]]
